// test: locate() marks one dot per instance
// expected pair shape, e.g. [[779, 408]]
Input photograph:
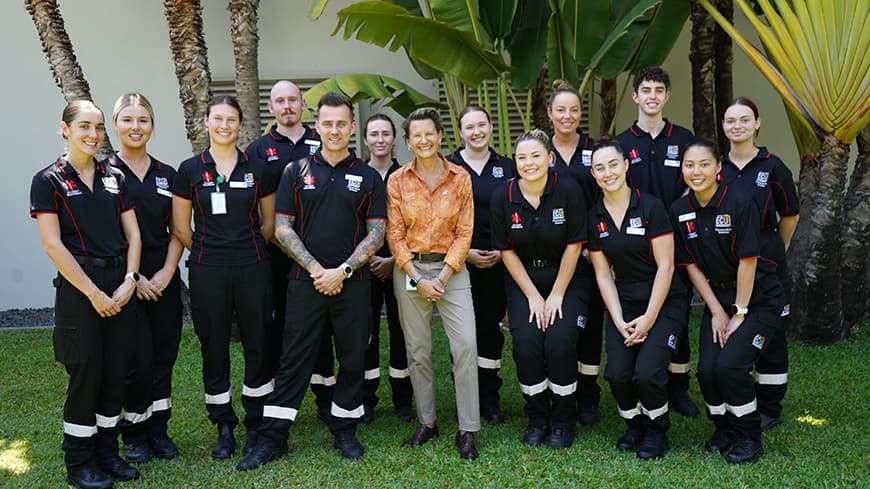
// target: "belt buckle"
[[538, 263]]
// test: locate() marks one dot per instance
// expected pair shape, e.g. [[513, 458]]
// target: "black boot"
[[109, 460], [136, 443], [588, 398], [654, 444], [745, 451], [225, 445], [250, 442], [88, 476], [262, 452], [159, 442], [348, 445], [631, 439], [720, 441], [678, 395]]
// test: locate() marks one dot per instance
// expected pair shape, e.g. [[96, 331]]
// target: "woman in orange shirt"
[[430, 213]]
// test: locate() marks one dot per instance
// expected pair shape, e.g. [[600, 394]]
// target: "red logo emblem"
[[634, 154], [602, 227], [69, 184], [271, 152], [308, 179], [515, 218], [206, 176], [690, 226]]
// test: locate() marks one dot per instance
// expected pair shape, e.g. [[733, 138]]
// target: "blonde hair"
[[133, 98]]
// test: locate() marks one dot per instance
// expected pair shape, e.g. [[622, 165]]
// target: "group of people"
[[302, 244]]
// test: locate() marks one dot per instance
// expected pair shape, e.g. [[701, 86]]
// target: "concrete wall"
[[122, 45]]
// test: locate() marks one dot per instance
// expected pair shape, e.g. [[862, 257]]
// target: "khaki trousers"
[[457, 314]]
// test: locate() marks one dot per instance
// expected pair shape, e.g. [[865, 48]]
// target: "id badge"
[[218, 203]]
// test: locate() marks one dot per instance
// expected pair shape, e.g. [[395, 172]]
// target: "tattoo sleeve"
[[370, 245], [290, 242]]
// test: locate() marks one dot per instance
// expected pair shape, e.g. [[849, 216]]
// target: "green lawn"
[[824, 443]]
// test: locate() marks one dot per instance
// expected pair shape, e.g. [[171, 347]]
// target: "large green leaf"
[[595, 18], [617, 50], [561, 63], [463, 15], [431, 42], [315, 8], [497, 16], [529, 45], [663, 33], [393, 93]]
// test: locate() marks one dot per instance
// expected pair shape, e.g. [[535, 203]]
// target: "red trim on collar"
[[722, 197]]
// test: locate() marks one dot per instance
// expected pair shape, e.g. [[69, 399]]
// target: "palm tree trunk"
[[189, 53], [539, 102], [815, 256], [243, 30], [608, 104], [723, 78], [856, 235], [702, 56], [59, 52]]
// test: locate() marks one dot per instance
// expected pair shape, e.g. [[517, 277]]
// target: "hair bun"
[[562, 85]]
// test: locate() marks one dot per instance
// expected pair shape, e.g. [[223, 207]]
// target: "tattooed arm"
[[369, 245], [291, 244]]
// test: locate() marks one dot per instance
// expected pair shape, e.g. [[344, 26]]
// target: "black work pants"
[[490, 301], [93, 351], [280, 264], [546, 360], [725, 373], [154, 348], [309, 314], [589, 343], [771, 369], [400, 379], [216, 292], [678, 370], [638, 374]]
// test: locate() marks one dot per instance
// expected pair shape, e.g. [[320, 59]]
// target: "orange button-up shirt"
[[420, 221]]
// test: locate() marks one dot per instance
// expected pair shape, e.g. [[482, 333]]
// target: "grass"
[[825, 442]]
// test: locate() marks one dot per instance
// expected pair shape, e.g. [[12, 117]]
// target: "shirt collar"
[[206, 157], [715, 202], [515, 195], [666, 130], [348, 161]]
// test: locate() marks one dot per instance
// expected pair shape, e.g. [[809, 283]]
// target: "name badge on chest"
[[636, 231]]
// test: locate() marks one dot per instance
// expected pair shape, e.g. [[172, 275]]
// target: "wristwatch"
[[132, 275], [347, 269], [414, 281], [738, 310]]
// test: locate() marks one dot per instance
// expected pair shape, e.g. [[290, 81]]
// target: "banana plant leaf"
[[528, 47], [617, 51], [463, 15], [499, 17], [561, 60], [315, 9], [436, 44], [595, 18], [393, 93], [663, 33]]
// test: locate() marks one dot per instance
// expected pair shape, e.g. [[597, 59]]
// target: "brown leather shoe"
[[421, 435], [465, 443]]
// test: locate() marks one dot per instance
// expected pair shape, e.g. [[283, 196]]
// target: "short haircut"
[[335, 99], [652, 74], [422, 114]]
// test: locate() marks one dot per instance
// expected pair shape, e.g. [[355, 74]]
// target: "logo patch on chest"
[[673, 151], [207, 179], [497, 172], [602, 229], [635, 222], [723, 223], [354, 182], [586, 157], [308, 182], [559, 216], [71, 188], [516, 221], [690, 230], [161, 182], [271, 154], [249, 180], [634, 156], [761, 178]]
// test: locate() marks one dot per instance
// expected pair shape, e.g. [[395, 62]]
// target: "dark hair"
[[73, 108], [562, 86], [224, 100], [335, 99], [378, 117], [604, 141], [422, 114], [652, 74], [745, 101], [702, 143], [470, 109], [534, 135]]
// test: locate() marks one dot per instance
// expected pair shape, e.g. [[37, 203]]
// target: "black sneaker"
[[535, 436], [561, 438], [654, 445], [720, 441], [348, 445], [262, 452], [745, 451]]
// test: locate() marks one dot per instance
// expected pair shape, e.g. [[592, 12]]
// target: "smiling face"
[[85, 133], [533, 160], [286, 103], [700, 167], [475, 130], [651, 97], [134, 126], [380, 138], [223, 123], [335, 125], [609, 168], [740, 123], [565, 113], [424, 139]]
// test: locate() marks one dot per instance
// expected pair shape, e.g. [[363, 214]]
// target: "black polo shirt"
[[385, 249], [331, 206], [580, 169], [90, 220], [497, 170], [277, 149], [717, 236], [232, 238], [153, 199], [768, 182], [542, 233], [655, 163], [628, 245]]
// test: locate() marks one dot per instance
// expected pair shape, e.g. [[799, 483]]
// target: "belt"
[[428, 257], [537, 262], [115, 261], [732, 285]]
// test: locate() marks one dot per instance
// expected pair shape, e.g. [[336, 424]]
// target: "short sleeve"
[[747, 229], [42, 196], [127, 201], [659, 222], [378, 205], [785, 196], [577, 215], [181, 186], [268, 185], [497, 218], [682, 256], [594, 239], [285, 201]]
